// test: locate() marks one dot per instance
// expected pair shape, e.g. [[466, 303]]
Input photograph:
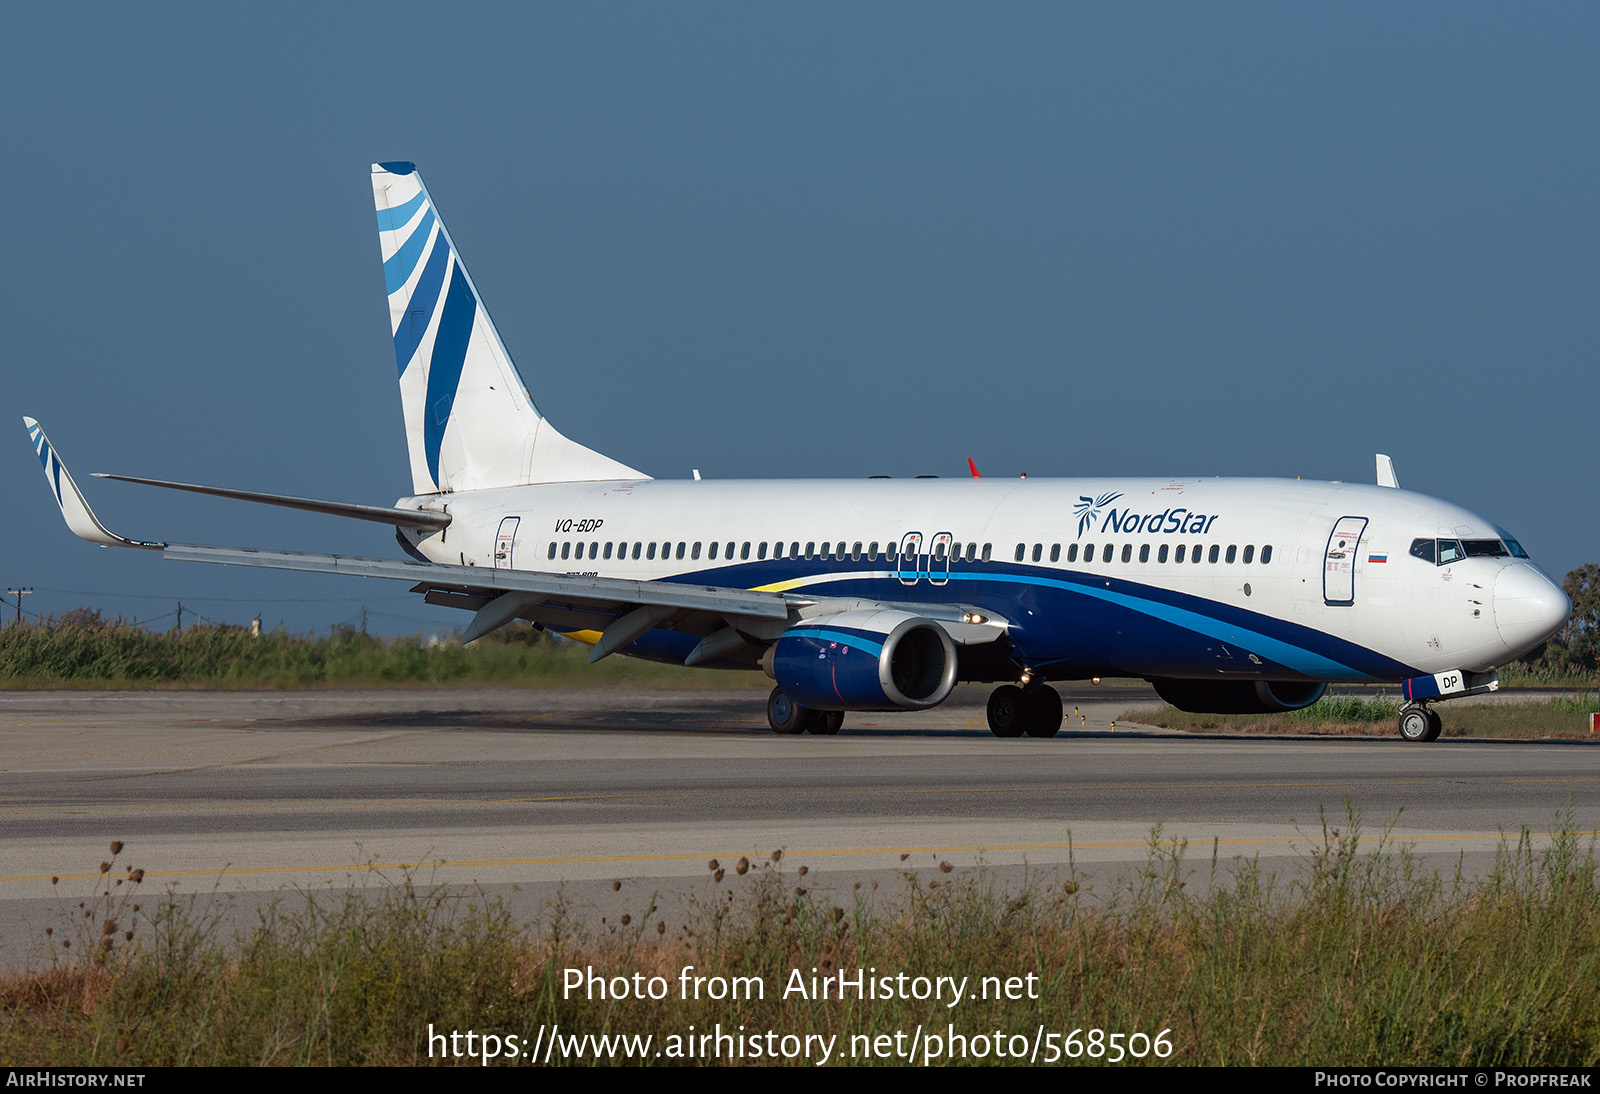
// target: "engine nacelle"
[[866, 660], [1239, 696]]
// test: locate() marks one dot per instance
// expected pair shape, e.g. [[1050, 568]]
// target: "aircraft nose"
[[1528, 606]]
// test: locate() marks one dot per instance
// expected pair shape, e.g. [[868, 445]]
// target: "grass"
[[1360, 959], [1349, 715], [102, 655]]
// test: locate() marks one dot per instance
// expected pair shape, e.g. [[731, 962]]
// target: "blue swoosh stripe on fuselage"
[[1297, 648]]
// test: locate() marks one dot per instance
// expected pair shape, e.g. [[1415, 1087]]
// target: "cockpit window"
[[1423, 549], [1484, 548], [1513, 546], [1450, 551]]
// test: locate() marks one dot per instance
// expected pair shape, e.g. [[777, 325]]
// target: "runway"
[[528, 794]]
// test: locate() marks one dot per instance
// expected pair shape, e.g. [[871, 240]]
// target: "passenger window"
[[889, 551], [872, 551], [1088, 554], [607, 552], [1105, 553], [1194, 555], [727, 552], [651, 552], [972, 551], [1055, 552], [1233, 549], [1161, 555], [1249, 552], [794, 549], [1127, 552], [1216, 549], [712, 554], [827, 549], [1144, 552], [552, 549], [1179, 556], [694, 552], [1038, 551], [761, 550], [680, 550], [1072, 553], [1266, 554], [566, 550], [1021, 550], [855, 551], [636, 548], [838, 551], [744, 552], [986, 549]]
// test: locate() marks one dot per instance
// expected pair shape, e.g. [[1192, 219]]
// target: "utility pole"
[[20, 593], [180, 619]]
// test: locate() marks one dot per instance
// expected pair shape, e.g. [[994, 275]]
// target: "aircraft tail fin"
[[470, 422]]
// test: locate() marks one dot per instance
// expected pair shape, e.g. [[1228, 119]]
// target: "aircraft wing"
[[731, 623]]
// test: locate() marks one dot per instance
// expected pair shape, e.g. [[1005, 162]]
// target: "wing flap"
[[601, 592]]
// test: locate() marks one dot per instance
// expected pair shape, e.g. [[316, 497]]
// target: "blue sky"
[[819, 240]]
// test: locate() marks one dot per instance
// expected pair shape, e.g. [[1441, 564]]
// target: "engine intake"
[[866, 660]]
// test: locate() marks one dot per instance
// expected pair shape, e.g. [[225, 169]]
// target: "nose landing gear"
[[1420, 722]]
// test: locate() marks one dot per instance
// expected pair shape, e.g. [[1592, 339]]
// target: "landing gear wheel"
[[1008, 711], [1420, 724], [1044, 712], [785, 715], [825, 723]]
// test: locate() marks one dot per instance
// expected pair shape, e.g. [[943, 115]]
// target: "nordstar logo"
[[1166, 522], [1088, 508]]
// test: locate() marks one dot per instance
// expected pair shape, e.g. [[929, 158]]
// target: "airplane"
[[1228, 595]]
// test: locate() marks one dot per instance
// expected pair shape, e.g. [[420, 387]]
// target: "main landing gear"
[[1420, 722], [1014, 711], [788, 717]]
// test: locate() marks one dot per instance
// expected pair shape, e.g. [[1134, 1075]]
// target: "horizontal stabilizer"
[[401, 518]]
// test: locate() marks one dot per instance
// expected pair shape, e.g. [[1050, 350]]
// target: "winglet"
[[1386, 475], [974, 468], [74, 509]]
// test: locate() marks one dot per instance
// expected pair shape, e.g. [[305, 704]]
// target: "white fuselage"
[[1300, 579]]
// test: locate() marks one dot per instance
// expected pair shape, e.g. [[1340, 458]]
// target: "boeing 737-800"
[[1228, 595]]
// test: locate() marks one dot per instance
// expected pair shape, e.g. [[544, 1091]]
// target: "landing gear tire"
[[1008, 711], [785, 715], [1044, 712], [825, 723], [1420, 724]]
